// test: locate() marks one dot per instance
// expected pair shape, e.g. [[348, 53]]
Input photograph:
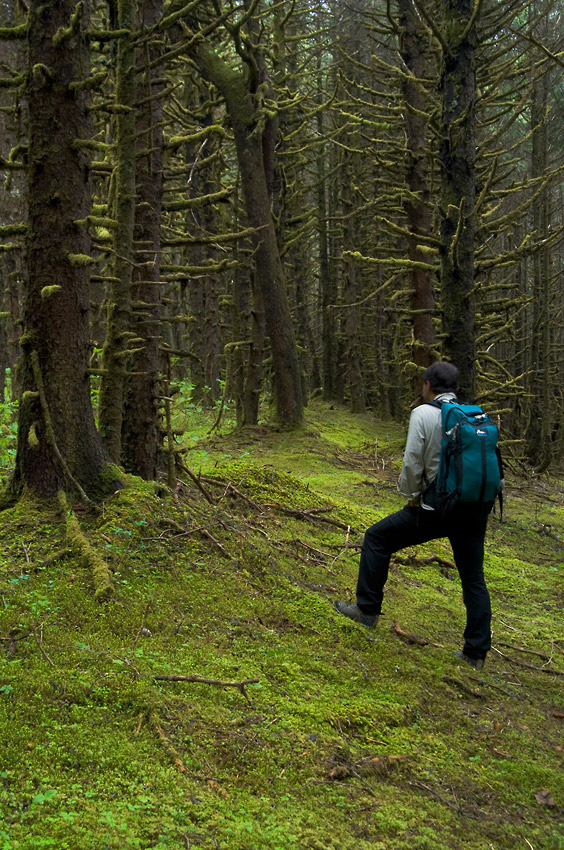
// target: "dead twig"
[[411, 638], [240, 685], [527, 651], [490, 685], [210, 536], [229, 488], [198, 483], [520, 663], [40, 647], [436, 559], [310, 514], [416, 784]]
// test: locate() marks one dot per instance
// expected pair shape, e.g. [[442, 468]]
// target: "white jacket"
[[422, 450]]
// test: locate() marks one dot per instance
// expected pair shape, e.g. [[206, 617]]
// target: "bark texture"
[[458, 189], [141, 429], [57, 439]]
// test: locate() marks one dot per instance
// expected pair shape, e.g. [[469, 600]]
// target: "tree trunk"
[[458, 189], [539, 378], [328, 294], [249, 143], [350, 294], [141, 430], [58, 445], [113, 381], [253, 382], [417, 201]]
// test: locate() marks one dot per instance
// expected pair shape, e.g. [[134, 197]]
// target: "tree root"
[[89, 558]]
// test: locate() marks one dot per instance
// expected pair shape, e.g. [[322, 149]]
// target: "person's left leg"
[[467, 535]]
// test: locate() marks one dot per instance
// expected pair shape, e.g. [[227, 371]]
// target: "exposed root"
[[88, 557]]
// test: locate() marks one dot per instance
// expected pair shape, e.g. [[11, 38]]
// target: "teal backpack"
[[470, 467]]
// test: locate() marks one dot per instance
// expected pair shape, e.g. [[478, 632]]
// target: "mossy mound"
[[349, 738]]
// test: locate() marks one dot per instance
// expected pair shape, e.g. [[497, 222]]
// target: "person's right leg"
[[467, 541], [407, 527]]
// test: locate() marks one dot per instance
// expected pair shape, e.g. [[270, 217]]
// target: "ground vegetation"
[[218, 700]]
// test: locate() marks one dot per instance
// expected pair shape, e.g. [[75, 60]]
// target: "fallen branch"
[[209, 536], [230, 488], [528, 666], [40, 647], [522, 649], [310, 514], [240, 685], [490, 685], [436, 559], [198, 483], [410, 638]]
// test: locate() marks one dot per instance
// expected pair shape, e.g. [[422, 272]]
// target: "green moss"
[[30, 397], [32, 439], [305, 760], [81, 260], [48, 291], [87, 556], [17, 32]]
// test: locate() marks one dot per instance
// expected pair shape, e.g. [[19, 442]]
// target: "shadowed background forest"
[[271, 201]]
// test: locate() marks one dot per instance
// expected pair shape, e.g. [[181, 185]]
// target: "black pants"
[[465, 528]]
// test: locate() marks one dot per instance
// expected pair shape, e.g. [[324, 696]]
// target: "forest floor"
[[310, 732]]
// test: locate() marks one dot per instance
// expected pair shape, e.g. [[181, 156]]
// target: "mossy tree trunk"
[[328, 282], [413, 48], [241, 97], [539, 381], [141, 429], [57, 440], [253, 382], [118, 330], [458, 188], [13, 210], [205, 336], [350, 291]]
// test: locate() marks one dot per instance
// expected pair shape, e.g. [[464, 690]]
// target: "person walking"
[[421, 520]]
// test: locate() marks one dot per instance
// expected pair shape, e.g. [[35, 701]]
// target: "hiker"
[[424, 518]]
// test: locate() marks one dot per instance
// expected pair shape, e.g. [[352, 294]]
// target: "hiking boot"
[[476, 663], [353, 612]]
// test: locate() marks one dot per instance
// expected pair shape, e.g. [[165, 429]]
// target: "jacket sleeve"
[[413, 467]]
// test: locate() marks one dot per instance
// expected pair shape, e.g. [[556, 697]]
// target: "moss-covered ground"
[[349, 738]]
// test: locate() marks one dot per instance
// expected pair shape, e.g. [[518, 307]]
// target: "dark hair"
[[442, 377]]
